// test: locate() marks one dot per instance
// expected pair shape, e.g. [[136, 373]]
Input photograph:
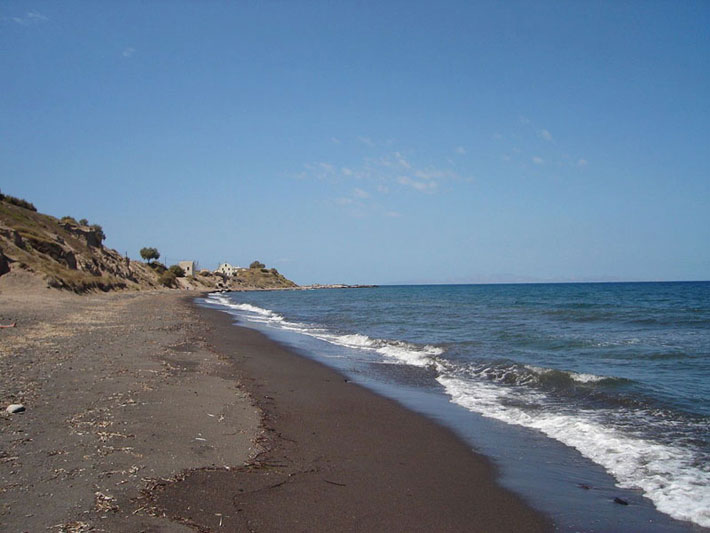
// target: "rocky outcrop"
[[91, 236], [56, 251]]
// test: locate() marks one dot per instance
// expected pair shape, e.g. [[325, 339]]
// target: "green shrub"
[[99, 232], [168, 279], [177, 270], [84, 222], [157, 266], [257, 264], [68, 220], [150, 254]]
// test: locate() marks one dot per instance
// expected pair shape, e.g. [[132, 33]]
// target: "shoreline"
[[358, 335], [148, 412], [338, 456]]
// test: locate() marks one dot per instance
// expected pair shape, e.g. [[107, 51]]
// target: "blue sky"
[[370, 142]]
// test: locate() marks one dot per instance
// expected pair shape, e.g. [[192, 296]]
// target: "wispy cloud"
[[402, 161], [527, 145], [128, 52], [423, 186], [29, 18], [374, 180], [320, 171], [546, 135], [366, 140], [395, 168], [460, 150], [356, 204]]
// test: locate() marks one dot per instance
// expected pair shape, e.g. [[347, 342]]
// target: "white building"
[[227, 269], [188, 267]]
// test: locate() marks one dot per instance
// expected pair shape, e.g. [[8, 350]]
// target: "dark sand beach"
[[146, 412]]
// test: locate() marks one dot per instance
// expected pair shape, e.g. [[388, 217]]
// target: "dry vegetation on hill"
[[261, 278], [67, 254]]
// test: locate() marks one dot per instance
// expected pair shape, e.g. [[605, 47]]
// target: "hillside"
[[260, 278], [66, 254]]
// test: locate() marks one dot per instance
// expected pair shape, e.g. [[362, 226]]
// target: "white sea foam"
[[575, 376], [394, 351], [410, 354], [585, 378], [670, 476], [621, 342], [349, 341], [218, 298]]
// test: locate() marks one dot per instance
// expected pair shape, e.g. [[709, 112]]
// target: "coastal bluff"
[[37, 249]]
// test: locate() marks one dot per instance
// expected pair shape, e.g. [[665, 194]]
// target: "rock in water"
[[15, 408], [620, 501]]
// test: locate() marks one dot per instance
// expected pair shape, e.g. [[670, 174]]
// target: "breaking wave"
[[674, 478], [394, 351]]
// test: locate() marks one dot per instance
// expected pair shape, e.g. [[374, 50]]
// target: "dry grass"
[[38, 243]]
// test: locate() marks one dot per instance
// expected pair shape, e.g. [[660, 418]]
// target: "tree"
[[84, 222], [257, 264], [150, 254]]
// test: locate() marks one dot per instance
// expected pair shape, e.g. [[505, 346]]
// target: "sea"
[[592, 399]]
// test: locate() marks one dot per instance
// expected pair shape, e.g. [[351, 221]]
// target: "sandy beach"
[[145, 412], [121, 392]]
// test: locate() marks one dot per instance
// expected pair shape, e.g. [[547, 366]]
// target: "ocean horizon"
[[587, 396]]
